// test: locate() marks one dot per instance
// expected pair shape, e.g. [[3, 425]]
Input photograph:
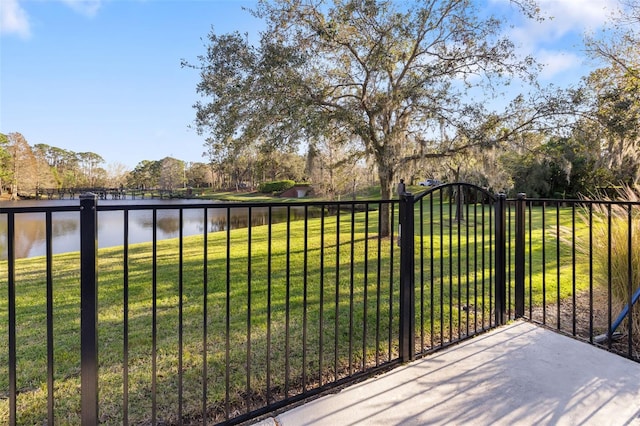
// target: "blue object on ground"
[[610, 335]]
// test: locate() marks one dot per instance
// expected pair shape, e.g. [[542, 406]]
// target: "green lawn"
[[301, 296], [275, 274]]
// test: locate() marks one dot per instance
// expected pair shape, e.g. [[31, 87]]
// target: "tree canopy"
[[613, 96], [398, 78]]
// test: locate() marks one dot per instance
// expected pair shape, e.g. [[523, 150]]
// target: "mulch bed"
[[591, 321]]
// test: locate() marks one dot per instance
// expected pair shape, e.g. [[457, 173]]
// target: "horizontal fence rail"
[[221, 313]]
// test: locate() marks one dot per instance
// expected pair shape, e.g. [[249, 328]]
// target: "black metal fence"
[[450, 238], [569, 265], [249, 316], [575, 267]]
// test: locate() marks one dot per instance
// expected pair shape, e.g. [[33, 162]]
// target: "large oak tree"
[[395, 76]]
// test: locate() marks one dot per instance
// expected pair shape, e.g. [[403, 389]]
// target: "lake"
[[30, 227]]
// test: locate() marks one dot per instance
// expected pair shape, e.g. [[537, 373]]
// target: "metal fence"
[[268, 304], [574, 266], [453, 244], [569, 265]]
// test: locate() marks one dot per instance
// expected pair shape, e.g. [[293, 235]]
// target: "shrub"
[[275, 186]]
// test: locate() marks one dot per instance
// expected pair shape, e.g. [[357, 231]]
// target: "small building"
[[297, 191]]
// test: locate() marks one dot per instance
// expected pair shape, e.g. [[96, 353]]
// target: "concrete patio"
[[519, 374]]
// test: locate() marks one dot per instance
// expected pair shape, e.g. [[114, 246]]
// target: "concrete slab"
[[519, 374]]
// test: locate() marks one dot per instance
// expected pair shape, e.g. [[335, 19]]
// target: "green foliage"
[[5, 159], [275, 186], [45, 166], [612, 94], [557, 168], [146, 174]]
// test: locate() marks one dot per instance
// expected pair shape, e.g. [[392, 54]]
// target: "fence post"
[[501, 259], [89, 308], [407, 271], [520, 254]]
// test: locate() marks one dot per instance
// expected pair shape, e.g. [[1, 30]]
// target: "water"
[[30, 227]]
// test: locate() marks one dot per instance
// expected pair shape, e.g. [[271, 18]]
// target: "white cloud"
[[556, 42], [574, 15], [558, 62], [562, 18], [14, 19]]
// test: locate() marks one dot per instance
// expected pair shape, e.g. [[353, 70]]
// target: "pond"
[[30, 227]]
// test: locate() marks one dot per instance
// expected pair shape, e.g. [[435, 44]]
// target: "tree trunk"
[[459, 198], [386, 182]]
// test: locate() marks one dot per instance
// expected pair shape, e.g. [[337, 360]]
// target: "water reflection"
[[31, 232]]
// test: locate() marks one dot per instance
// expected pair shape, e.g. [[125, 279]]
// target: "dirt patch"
[[587, 316]]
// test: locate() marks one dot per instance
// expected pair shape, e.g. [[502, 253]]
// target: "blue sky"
[[105, 76]]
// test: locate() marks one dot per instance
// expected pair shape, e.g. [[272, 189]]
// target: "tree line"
[[25, 168]]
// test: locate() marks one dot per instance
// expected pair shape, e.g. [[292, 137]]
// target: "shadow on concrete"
[[517, 374]]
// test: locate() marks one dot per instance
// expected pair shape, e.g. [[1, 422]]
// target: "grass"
[[227, 274], [253, 197], [369, 193], [301, 299]]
